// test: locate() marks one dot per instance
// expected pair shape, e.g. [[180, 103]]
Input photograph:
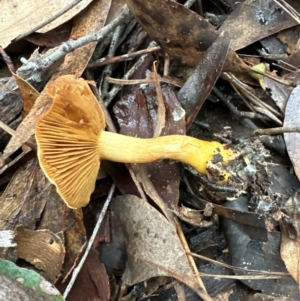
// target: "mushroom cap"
[[67, 139]]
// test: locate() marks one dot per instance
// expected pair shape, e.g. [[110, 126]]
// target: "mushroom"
[[72, 140]]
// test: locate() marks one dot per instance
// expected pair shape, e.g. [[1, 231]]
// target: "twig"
[[267, 113], [30, 142], [255, 100], [90, 243], [7, 129], [7, 60], [46, 61], [253, 115], [189, 3], [121, 58], [148, 80], [242, 277], [233, 109], [113, 92], [274, 274], [166, 65], [111, 52], [274, 131]]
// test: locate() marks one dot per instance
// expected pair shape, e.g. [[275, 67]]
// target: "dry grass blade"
[[288, 9], [265, 273], [91, 241]]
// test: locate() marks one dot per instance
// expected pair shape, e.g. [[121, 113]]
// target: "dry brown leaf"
[[24, 198], [200, 83], [94, 279], [280, 92], [52, 38], [255, 20], [89, 20], [28, 93], [290, 247], [18, 17], [161, 109], [180, 32], [26, 128], [115, 10], [153, 247], [192, 216], [57, 217], [43, 249], [291, 119]]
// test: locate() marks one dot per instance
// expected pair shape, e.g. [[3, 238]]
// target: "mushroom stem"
[[189, 150]]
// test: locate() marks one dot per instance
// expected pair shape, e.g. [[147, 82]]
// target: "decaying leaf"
[[89, 20], [192, 216], [254, 20], [290, 236], [172, 25], [28, 93], [94, 279], [20, 17], [12, 290], [57, 217], [290, 247], [24, 198], [180, 32], [153, 248], [280, 92], [200, 83], [51, 38], [43, 249], [26, 128]]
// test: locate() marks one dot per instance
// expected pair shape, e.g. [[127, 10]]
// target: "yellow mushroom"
[[71, 142]]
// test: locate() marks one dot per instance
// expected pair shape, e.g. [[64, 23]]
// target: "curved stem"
[[189, 150]]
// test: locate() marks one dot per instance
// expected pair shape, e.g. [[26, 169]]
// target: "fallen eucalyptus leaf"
[[153, 247]]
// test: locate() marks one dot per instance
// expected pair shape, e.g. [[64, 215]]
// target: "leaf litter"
[[163, 207]]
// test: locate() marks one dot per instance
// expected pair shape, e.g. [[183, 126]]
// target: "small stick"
[[148, 80], [12, 132], [232, 108], [7, 60], [113, 92], [121, 58], [252, 115], [111, 52], [275, 131], [229, 266], [7, 129], [71, 45], [189, 3], [91, 241], [166, 65]]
